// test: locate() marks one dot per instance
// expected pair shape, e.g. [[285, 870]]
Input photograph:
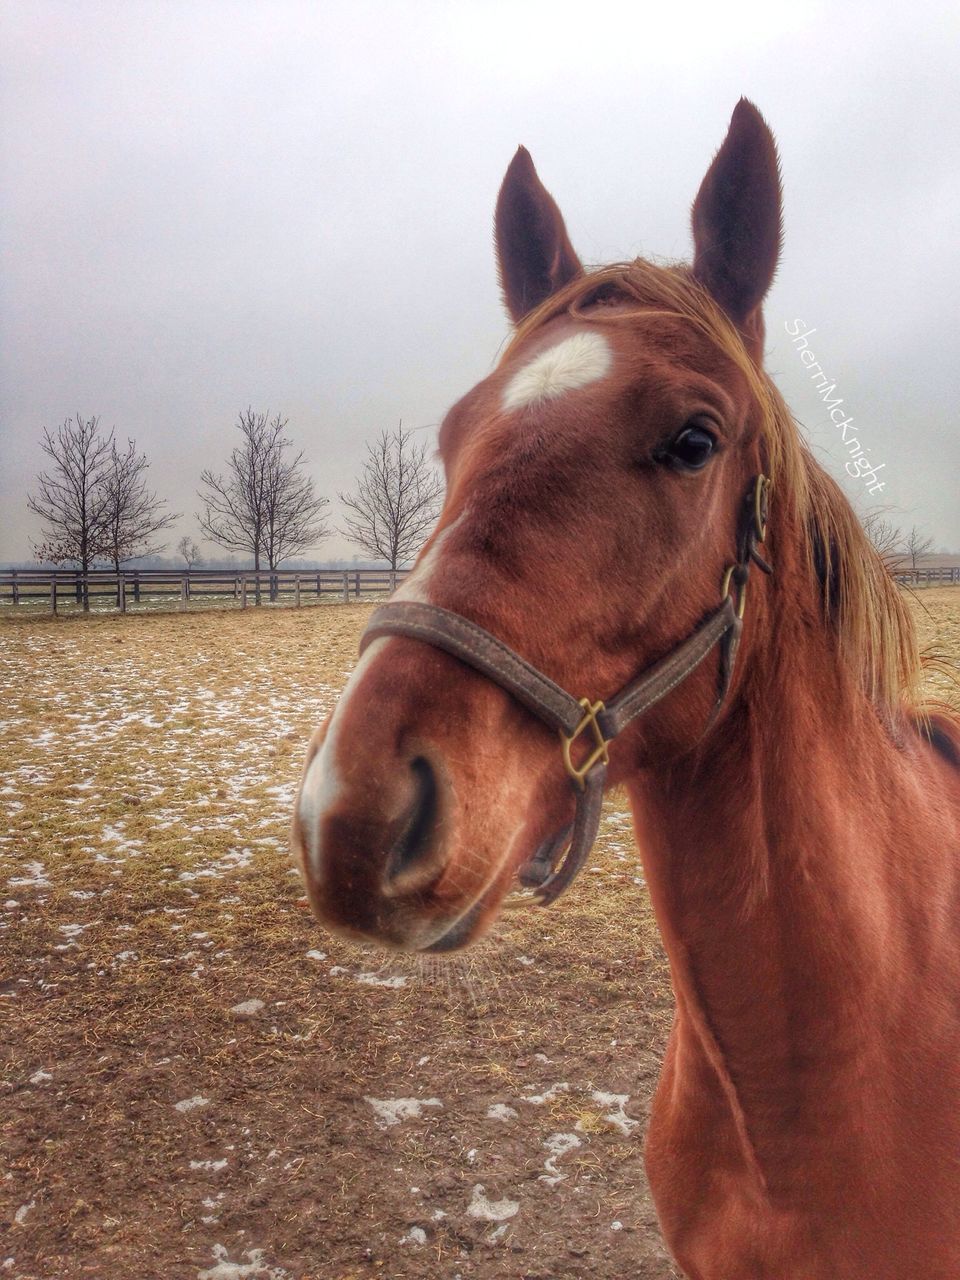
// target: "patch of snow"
[[190, 1104], [490, 1210], [38, 1077], [248, 1007], [618, 1116], [558, 1144], [35, 877], [316, 955], [214, 1166], [416, 1235], [540, 1099], [390, 1111], [20, 1216], [370, 979], [500, 1111], [227, 1270]]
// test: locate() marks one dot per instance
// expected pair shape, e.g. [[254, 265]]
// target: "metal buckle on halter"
[[599, 752], [759, 501], [740, 603]]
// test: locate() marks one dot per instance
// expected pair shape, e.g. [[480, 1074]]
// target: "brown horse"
[[796, 809]]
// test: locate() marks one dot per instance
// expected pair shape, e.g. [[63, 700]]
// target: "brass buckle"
[[591, 711], [741, 599]]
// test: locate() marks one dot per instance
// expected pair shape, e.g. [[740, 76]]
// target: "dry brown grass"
[[148, 766]]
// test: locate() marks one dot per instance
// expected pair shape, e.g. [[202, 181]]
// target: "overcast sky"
[[211, 205]]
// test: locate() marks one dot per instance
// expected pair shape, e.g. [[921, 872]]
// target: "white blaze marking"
[[322, 782], [416, 585], [570, 364]]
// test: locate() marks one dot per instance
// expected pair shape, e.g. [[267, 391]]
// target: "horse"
[[632, 515]]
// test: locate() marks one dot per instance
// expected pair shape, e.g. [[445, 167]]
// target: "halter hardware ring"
[[741, 598], [599, 752]]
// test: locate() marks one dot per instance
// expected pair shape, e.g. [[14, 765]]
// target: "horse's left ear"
[[736, 222], [534, 252]]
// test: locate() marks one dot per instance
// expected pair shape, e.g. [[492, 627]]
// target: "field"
[[198, 1083]]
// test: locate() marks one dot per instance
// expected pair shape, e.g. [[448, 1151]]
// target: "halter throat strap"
[[549, 873]]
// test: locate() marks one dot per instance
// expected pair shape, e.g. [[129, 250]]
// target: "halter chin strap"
[[596, 723]]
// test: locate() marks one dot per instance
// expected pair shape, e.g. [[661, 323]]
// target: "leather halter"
[[551, 871]]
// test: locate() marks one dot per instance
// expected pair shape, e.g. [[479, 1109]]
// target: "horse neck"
[[771, 866]]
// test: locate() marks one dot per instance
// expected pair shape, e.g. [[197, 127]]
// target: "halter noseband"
[[551, 871]]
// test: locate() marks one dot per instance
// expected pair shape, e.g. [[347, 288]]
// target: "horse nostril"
[[410, 854]]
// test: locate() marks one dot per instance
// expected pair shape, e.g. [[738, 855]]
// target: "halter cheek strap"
[[596, 724]]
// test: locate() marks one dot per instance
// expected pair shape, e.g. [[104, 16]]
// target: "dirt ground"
[[198, 1083]]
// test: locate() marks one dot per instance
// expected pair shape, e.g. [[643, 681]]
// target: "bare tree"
[[292, 513], [916, 546], [72, 498], [396, 501], [265, 505], [188, 548], [886, 538], [133, 514]]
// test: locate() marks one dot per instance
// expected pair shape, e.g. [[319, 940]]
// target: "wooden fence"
[[944, 573], [54, 588]]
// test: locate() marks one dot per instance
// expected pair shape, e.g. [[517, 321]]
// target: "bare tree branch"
[[133, 514], [916, 545], [71, 499], [396, 501], [265, 505], [188, 548], [886, 538]]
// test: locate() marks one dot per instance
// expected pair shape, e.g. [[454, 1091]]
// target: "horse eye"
[[691, 449]]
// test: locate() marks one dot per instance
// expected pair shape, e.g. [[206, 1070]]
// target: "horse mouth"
[[460, 934], [531, 874]]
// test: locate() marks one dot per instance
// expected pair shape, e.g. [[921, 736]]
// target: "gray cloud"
[[211, 205]]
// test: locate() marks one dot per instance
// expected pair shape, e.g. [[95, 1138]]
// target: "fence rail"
[[130, 587], [939, 573]]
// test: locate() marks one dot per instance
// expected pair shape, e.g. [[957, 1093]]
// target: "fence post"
[[357, 583], [53, 593], [243, 593], [296, 590], [16, 589], [122, 590], [183, 592], [346, 586]]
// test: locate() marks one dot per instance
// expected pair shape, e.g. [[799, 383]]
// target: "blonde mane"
[[874, 628]]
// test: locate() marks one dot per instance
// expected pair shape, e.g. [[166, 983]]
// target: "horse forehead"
[[566, 364]]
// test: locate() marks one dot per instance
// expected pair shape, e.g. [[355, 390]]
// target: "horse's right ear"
[[534, 253]]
